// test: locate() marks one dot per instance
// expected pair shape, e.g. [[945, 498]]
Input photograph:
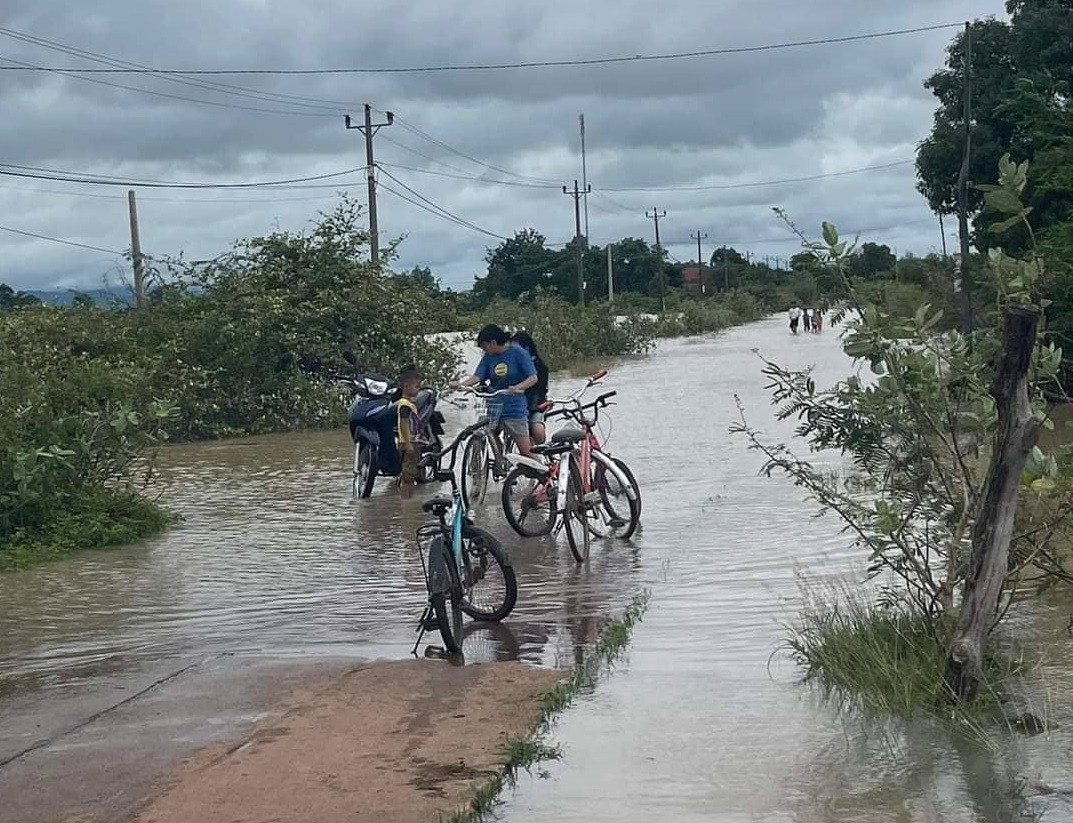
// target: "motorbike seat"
[[439, 504], [570, 434]]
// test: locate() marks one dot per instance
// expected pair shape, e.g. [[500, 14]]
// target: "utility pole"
[[610, 279], [584, 172], [369, 129], [700, 260], [136, 251], [577, 194], [655, 216], [961, 276]]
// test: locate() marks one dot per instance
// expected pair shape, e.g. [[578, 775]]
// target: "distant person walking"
[[795, 318], [808, 319], [817, 322]]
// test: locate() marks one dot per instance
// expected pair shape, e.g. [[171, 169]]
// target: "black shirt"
[[537, 394]]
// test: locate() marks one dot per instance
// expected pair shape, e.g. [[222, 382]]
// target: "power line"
[[76, 76], [38, 173], [437, 209], [184, 200], [224, 88], [240, 91], [471, 177], [412, 128], [594, 61], [58, 240]]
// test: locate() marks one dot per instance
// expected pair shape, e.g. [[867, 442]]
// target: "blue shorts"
[[536, 417]]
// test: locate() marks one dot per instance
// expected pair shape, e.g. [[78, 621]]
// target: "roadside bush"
[[566, 332]]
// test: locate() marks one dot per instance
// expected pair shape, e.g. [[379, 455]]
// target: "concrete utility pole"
[[961, 281], [577, 194], [369, 129], [584, 172], [700, 260], [136, 251], [656, 215], [610, 279]]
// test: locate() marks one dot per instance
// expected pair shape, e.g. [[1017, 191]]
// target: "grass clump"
[[94, 518], [524, 753], [886, 660]]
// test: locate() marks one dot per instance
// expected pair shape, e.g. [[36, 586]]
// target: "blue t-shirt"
[[500, 371]]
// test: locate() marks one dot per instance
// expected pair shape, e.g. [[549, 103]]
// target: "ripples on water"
[[275, 557]]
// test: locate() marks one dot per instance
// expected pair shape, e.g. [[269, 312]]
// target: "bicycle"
[[486, 452], [582, 486], [467, 570]]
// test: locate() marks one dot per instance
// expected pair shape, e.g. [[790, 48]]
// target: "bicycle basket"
[[479, 408]]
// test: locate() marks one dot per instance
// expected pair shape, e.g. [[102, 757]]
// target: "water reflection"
[[274, 557]]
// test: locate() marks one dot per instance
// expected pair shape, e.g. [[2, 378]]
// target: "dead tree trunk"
[[998, 506]]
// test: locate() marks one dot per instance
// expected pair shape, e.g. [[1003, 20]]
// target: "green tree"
[[872, 260], [11, 299], [516, 266]]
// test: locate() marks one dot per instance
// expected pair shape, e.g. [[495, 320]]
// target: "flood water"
[[704, 720]]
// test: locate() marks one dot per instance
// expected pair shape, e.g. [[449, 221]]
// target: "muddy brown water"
[[276, 570]]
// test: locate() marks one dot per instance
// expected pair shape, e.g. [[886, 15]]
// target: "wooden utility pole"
[[577, 194], [700, 261], [656, 215], [997, 511], [136, 251], [962, 278], [369, 129]]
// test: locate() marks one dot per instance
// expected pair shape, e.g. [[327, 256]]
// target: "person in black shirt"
[[534, 395]]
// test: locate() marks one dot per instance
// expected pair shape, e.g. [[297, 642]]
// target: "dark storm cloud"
[[713, 120]]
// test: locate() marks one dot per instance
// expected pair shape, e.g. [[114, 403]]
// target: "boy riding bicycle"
[[505, 366]]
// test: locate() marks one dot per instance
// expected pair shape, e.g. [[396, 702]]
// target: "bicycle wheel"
[[365, 460], [618, 514], [475, 470], [489, 587], [529, 503], [427, 472], [448, 610], [575, 514]]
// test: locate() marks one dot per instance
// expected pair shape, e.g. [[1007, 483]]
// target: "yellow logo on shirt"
[[500, 370]]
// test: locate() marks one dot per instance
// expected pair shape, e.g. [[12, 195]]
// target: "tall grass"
[[885, 661]]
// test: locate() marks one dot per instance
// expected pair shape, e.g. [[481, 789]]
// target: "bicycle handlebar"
[[432, 457], [575, 409], [475, 391]]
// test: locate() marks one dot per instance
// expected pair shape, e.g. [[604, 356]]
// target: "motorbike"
[[372, 418]]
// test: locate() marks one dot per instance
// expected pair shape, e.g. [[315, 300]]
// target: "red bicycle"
[[581, 488]]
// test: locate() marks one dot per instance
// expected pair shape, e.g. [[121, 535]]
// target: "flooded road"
[[275, 569]]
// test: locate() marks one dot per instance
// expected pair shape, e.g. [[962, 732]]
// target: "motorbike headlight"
[[376, 386]]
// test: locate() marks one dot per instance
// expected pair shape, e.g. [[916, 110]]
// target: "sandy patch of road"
[[392, 742]]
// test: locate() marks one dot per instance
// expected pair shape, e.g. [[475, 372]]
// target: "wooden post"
[[136, 251], [993, 531]]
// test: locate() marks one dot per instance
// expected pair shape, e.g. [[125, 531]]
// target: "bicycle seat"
[[438, 504], [570, 434]]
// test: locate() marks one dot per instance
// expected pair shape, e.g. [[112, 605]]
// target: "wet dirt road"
[[277, 573]]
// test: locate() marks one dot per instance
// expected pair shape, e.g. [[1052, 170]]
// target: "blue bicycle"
[[467, 571]]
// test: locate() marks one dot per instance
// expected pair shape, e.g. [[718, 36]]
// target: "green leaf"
[[830, 234]]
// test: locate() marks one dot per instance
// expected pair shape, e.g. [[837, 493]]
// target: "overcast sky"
[[712, 121]]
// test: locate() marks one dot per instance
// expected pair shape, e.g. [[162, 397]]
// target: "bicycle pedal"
[[616, 523]]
